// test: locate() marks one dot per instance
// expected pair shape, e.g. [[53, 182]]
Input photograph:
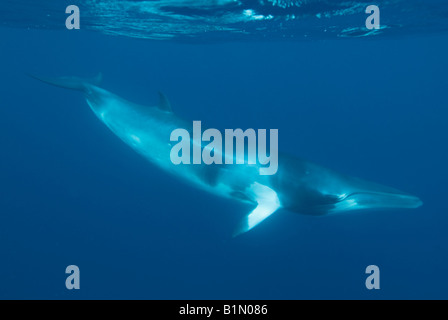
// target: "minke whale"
[[298, 186]]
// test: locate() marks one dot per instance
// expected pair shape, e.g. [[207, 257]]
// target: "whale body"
[[298, 186]]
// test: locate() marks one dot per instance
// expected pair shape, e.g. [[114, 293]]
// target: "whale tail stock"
[[72, 83]]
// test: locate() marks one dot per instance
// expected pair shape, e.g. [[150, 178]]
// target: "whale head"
[[359, 194], [375, 200]]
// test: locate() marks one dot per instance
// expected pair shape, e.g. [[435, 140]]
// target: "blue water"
[[372, 106]]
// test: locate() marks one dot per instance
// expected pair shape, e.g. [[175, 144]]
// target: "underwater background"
[[370, 104]]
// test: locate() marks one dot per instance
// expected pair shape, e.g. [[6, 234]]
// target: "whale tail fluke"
[[72, 83]]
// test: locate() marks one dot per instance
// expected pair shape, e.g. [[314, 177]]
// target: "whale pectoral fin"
[[268, 203], [261, 212]]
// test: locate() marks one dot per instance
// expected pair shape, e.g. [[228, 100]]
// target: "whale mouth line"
[[373, 199]]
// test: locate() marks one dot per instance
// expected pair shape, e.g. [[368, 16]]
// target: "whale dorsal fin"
[[164, 104], [267, 204], [97, 80]]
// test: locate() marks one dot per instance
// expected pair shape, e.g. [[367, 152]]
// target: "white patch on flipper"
[[268, 203], [135, 138]]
